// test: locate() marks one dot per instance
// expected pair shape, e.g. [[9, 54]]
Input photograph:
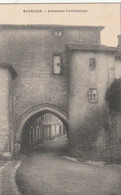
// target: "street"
[[46, 172]]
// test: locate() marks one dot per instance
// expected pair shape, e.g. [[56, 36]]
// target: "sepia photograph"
[[60, 99]]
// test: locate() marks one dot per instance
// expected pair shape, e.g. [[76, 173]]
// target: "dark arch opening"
[[33, 137]]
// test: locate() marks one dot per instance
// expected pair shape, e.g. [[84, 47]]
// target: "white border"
[[58, 1]]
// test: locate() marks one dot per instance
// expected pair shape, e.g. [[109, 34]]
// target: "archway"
[[34, 113]]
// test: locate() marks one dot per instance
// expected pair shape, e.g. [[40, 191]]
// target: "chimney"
[[119, 36], [119, 41]]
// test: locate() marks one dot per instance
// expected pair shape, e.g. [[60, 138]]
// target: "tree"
[[113, 95]]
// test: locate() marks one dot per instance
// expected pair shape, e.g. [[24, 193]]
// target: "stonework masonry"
[[30, 49], [6, 132]]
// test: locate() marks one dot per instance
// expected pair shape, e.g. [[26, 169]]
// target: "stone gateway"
[[63, 70]]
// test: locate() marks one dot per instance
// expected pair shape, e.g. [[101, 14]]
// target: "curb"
[[13, 181], [92, 163], [8, 173]]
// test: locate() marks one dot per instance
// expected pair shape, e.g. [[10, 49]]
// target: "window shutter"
[[57, 64], [92, 64]]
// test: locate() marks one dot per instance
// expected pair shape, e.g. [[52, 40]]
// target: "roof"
[[40, 26], [10, 67], [91, 47]]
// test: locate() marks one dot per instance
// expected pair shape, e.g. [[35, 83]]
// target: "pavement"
[[46, 171], [7, 178]]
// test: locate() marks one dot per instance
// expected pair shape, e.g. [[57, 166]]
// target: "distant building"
[[46, 127], [52, 126]]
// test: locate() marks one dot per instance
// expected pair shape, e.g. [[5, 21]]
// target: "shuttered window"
[[92, 64], [92, 95], [57, 63]]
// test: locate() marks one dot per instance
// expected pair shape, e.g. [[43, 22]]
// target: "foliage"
[[86, 134], [113, 95]]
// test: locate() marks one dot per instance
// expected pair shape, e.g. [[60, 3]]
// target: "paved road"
[[45, 172], [7, 178]]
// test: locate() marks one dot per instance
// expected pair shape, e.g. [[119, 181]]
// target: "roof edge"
[[38, 26], [91, 47], [10, 67]]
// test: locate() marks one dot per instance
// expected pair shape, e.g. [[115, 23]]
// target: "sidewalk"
[[2, 166], [7, 178]]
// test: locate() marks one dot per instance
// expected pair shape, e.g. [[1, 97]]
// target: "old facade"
[[63, 70]]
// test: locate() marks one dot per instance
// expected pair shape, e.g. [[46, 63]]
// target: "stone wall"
[[6, 109], [117, 68], [30, 50], [87, 120]]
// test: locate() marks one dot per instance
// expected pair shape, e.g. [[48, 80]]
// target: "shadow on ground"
[[45, 172]]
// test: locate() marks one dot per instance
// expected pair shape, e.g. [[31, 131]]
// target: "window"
[[58, 33], [92, 64], [92, 95], [57, 64]]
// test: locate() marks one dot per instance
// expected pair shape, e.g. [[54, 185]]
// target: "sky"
[[107, 15]]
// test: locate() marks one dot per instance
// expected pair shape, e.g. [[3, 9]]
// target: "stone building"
[[63, 70], [52, 126], [44, 128]]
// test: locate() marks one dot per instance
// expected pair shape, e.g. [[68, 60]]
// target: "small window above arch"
[[58, 33]]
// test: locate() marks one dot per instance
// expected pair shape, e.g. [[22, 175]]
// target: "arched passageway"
[[38, 130], [39, 125]]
